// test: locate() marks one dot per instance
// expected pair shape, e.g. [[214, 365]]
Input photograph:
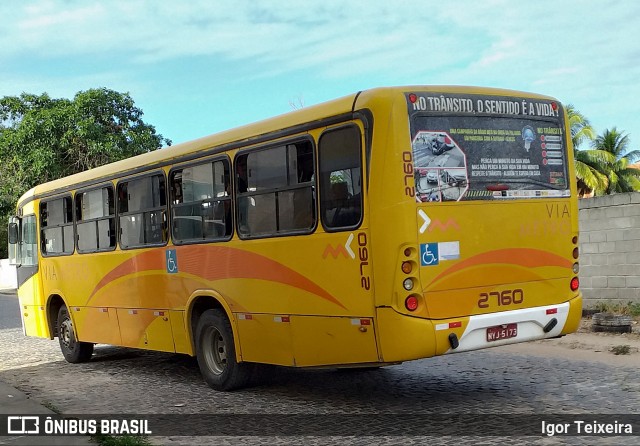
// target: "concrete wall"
[[610, 248], [8, 277]]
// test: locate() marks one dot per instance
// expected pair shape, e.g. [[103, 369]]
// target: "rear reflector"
[[361, 322], [456, 324], [552, 311]]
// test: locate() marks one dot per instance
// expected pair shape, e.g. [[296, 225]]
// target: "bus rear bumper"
[[510, 327]]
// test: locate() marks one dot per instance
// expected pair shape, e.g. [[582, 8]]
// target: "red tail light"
[[575, 284], [411, 303]]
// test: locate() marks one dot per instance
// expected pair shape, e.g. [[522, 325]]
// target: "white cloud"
[[584, 52]]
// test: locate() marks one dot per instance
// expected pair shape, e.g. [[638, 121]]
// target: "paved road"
[[9, 312], [496, 381]]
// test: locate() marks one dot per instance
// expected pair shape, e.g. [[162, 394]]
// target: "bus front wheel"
[[74, 351], [216, 353]]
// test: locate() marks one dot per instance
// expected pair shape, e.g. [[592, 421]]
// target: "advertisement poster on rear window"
[[478, 147]]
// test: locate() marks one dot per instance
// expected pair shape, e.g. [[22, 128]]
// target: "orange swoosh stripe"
[[215, 263], [526, 257]]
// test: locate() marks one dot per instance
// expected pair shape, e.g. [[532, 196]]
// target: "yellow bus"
[[390, 225]]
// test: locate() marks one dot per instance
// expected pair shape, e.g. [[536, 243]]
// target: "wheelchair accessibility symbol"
[[429, 254], [172, 261]]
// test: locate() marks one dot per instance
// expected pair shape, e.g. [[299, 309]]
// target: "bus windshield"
[[508, 148]]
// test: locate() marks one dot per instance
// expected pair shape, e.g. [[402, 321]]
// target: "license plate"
[[502, 332]]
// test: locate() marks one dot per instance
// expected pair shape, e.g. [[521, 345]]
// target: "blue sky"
[[199, 67]]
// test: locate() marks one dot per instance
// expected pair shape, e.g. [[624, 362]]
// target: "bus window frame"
[[197, 162], [120, 214], [364, 177], [40, 228], [313, 184], [114, 216]]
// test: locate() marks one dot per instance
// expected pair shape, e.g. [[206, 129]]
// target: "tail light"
[[575, 284], [411, 303]]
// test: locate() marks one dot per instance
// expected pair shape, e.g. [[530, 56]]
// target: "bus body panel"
[[404, 338], [97, 324], [180, 333], [482, 258], [265, 338], [321, 340], [32, 308]]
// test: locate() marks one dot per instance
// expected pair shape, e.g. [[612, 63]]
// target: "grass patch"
[[120, 440], [628, 309], [621, 350]]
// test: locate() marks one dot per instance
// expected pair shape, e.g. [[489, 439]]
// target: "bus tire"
[[216, 353], [74, 351]]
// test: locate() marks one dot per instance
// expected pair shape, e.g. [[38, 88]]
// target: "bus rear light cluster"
[[576, 266], [409, 267], [575, 284]]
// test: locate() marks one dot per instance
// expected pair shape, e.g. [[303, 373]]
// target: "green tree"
[[591, 167], [580, 127], [42, 139], [620, 177], [590, 164]]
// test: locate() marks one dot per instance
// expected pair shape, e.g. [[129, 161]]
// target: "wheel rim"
[[66, 333], [215, 350]]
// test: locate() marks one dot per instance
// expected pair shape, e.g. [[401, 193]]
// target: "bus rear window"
[[486, 148]]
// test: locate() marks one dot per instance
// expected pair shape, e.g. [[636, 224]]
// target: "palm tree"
[[621, 177], [590, 165], [581, 129]]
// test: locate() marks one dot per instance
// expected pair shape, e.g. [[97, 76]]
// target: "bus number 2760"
[[502, 298]]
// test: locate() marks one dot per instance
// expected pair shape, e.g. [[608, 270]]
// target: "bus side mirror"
[[14, 234]]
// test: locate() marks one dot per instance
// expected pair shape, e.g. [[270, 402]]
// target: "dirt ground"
[[587, 345]]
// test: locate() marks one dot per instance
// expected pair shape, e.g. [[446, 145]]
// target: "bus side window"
[[201, 203], [142, 207], [275, 190], [56, 222], [95, 220], [340, 178]]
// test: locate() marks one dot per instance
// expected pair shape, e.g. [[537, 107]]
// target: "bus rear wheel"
[[74, 351], [216, 353]]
